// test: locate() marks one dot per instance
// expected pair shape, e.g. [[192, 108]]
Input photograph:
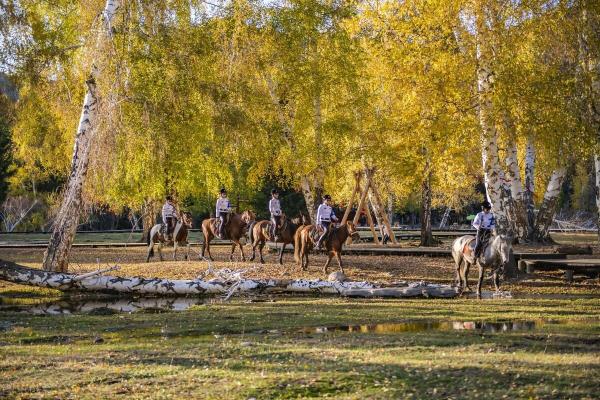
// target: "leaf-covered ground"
[[245, 349]]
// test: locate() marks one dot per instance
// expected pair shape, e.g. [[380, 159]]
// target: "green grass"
[[243, 350]]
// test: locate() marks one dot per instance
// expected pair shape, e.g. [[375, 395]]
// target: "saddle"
[[316, 233], [217, 223], [469, 248]]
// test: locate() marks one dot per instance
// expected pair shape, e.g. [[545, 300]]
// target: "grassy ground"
[[257, 349]]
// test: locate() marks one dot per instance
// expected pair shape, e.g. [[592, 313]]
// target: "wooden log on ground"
[[182, 287]]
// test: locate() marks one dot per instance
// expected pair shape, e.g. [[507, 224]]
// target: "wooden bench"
[[590, 267]]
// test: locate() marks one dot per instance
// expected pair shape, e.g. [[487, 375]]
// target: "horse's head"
[[503, 247], [248, 216], [352, 232], [186, 219]]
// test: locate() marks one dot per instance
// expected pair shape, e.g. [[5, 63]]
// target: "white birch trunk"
[[548, 207], [493, 172], [183, 287], [56, 256], [530, 182], [518, 207]]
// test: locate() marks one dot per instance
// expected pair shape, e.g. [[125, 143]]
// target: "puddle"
[[423, 326], [108, 306]]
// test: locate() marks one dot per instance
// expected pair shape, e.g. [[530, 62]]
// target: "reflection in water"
[[422, 326], [108, 306]]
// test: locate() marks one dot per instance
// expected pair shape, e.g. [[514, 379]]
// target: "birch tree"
[[56, 256]]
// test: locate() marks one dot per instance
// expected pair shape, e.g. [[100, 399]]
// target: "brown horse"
[[304, 243], [234, 230], [261, 233], [180, 234]]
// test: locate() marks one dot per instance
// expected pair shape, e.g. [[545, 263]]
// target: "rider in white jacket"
[[275, 210], [325, 215], [484, 222], [223, 208], [169, 216]]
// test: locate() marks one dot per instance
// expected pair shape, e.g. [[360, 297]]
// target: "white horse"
[[495, 256], [180, 234]]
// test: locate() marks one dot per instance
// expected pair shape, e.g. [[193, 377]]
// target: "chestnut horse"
[[304, 243], [234, 231], [180, 234], [261, 233]]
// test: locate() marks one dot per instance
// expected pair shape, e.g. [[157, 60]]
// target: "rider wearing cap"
[[325, 215], [275, 210], [169, 216], [484, 222], [223, 208]]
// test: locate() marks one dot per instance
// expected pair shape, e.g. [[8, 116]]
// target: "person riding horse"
[[169, 217], [325, 215], [484, 222], [223, 209], [275, 210]]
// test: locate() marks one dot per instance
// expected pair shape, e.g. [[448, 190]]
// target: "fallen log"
[[183, 287]]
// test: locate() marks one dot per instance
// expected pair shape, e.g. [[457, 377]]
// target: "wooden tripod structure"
[[363, 204]]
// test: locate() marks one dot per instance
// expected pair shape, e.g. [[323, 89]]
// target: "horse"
[[260, 233], [180, 234], [304, 243], [495, 256], [235, 229]]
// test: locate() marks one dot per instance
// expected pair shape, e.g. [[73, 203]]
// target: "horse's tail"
[[251, 231], [297, 239]]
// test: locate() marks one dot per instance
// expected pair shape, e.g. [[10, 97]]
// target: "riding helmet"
[[486, 205], [169, 198], [327, 197], [274, 191], [223, 190]]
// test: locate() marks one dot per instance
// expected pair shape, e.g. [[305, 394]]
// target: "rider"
[[484, 222], [325, 215], [275, 210], [222, 210], [169, 216]]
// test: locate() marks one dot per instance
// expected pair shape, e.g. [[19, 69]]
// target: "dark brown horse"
[[234, 231], [261, 233], [305, 241], [180, 234]]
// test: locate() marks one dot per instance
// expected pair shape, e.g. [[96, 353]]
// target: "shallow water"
[[423, 326], [105, 306]]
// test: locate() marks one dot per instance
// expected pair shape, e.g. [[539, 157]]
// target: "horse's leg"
[[260, 251], [329, 257], [254, 244], [465, 276], [339, 260], [233, 245], [281, 253], [160, 251], [479, 281], [304, 256], [457, 270], [150, 248], [175, 250], [207, 240], [242, 251], [496, 280]]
